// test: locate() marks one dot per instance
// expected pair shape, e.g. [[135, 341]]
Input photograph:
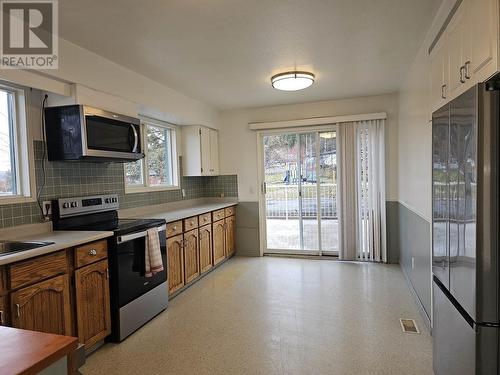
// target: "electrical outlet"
[[47, 208], [412, 262], [222, 195], [183, 192]]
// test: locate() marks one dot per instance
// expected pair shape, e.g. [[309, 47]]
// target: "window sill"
[[16, 199], [149, 189]]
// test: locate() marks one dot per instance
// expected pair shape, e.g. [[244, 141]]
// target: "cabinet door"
[[214, 152], [43, 307], [230, 231], [205, 248], [3, 311], [483, 18], [219, 234], [175, 259], [439, 74], [92, 303], [191, 255], [205, 151], [456, 31]]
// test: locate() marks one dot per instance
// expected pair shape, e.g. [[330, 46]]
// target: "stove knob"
[[74, 204], [107, 200], [65, 205], [115, 200]]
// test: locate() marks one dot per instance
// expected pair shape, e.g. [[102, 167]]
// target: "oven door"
[[129, 267], [110, 135]]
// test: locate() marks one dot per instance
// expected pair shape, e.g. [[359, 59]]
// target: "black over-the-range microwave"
[[79, 132]]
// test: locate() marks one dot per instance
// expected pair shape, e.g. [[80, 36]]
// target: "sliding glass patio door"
[[300, 189]]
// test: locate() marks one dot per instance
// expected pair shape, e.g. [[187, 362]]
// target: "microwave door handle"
[[136, 138], [134, 236]]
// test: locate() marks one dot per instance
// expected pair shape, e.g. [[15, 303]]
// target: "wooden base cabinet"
[[3, 311], [92, 303], [205, 248], [175, 260], [43, 307], [219, 234], [191, 255], [230, 227]]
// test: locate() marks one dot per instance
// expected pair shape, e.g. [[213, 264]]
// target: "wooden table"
[[28, 352]]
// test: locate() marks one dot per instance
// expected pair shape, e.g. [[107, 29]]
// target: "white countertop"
[[61, 239], [174, 214]]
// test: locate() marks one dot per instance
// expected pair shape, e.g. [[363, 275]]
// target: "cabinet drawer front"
[[90, 253], [174, 228], [205, 219], [230, 211], [190, 223], [36, 269], [218, 215]]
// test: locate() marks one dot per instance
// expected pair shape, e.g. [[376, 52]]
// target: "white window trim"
[[175, 144], [23, 143]]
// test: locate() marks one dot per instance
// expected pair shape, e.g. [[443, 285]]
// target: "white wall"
[[238, 145], [415, 130], [415, 137], [78, 65]]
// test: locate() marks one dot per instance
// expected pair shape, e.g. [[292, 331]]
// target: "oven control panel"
[[82, 205]]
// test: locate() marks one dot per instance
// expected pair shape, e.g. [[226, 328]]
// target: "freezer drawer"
[[453, 338]]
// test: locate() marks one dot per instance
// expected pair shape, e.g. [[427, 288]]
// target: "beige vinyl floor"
[[279, 316]]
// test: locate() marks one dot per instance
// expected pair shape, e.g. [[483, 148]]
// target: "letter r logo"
[[27, 27]]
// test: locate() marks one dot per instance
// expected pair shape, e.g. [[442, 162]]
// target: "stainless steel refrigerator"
[[465, 188]]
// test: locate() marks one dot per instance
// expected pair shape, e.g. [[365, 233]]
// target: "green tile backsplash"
[[70, 179]]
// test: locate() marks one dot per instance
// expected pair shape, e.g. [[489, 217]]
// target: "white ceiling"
[[224, 52]]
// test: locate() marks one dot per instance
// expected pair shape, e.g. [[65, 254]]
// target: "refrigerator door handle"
[[486, 325]]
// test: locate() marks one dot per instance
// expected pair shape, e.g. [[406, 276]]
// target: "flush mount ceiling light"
[[292, 81]]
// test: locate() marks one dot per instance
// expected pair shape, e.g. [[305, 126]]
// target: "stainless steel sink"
[[7, 247]]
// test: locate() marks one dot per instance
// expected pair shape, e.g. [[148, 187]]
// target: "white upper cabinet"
[[483, 31], [214, 151], [440, 72], [200, 151], [469, 47]]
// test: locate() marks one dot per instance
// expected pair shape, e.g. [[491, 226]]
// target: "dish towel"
[[153, 261]]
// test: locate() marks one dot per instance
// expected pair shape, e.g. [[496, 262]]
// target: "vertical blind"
[[362, 191]]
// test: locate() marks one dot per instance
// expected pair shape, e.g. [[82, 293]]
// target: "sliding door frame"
[[262, 196]]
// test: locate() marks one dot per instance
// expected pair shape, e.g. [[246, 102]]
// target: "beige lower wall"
[[238, 145]]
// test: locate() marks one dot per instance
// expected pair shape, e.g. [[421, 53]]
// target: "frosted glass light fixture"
[[292, 81]]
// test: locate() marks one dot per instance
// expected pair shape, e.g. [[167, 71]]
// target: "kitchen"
[[277, 188]]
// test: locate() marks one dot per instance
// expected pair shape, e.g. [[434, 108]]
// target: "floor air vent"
[[408, 325]]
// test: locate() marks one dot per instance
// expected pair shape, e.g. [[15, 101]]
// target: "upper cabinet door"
[[205, 151], [483, 36], [214, 152], [439, 74], [456, 51]]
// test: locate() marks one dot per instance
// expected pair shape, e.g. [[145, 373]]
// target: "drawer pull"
[[175, 227], [191, 222], [92, 252], [18, 309], [2, 318]]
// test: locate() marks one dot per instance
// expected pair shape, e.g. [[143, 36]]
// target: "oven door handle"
[[134, 236]]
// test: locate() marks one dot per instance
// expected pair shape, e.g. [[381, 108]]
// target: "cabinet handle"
[[107, 273], [92, 252], [462, 80], [443, 88], [2, 318], [18, 309], [466, 68]]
